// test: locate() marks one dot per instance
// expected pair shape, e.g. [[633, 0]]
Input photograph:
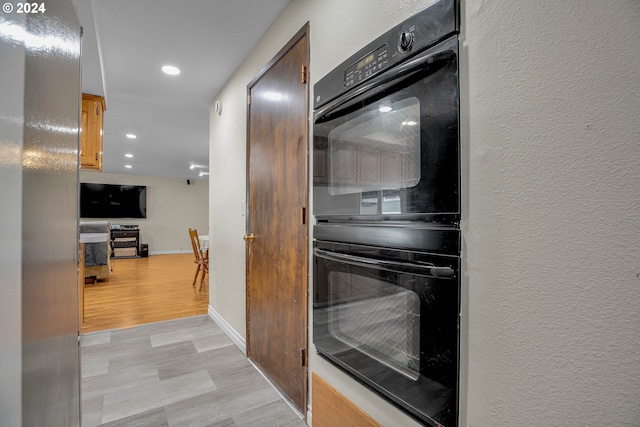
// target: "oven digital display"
[[360, 65], [367, 66]]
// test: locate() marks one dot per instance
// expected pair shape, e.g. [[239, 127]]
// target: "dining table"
[[204, 244]]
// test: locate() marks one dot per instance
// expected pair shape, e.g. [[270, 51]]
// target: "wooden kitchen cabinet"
[[93, 108]]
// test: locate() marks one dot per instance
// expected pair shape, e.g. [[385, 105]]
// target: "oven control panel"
[[367, 66], [398, 44]]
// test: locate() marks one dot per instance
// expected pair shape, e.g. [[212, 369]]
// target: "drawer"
[[117, 234]]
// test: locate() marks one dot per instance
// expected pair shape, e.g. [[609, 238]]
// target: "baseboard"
[[169, 252], [236, 338], [277, 389], [242, 345]]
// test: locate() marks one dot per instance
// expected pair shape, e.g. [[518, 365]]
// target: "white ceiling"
[[124, 45]]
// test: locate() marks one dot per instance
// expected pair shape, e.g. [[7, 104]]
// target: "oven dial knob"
[[406, 41]]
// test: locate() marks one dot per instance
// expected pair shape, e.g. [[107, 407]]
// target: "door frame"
[[304, 31]]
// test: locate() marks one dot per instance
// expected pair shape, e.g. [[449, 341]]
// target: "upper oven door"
[[389, 148]]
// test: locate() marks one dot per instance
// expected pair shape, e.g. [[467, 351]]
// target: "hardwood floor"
[[144, 290]]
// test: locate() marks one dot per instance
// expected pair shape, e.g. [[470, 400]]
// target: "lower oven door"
[[390, 319]]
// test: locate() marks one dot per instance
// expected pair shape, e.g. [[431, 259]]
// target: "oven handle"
[[422, 62], [427, 270]]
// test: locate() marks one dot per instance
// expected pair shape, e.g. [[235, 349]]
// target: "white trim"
[[170, 252], [242, 345], [237, 339], [277, 389]]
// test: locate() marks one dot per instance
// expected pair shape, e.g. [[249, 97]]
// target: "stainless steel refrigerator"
[[39, 111]]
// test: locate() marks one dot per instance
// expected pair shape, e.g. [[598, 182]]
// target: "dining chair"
[[201, 257]]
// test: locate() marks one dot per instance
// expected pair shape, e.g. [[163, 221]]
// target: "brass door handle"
[[249, 237]]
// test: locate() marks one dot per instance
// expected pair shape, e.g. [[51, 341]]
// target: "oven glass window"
[[375, 151], [390, 151], [378, 319], [390, 323]]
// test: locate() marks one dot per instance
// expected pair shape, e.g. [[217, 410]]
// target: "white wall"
[[172, 208], [551, 152], [552, 231]]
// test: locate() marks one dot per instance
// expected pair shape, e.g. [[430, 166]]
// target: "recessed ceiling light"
[[128, 155], [171, 70], [385, 109], [128, 166], [131, 136]]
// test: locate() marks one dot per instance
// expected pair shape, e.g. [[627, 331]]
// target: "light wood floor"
[[145, 290]]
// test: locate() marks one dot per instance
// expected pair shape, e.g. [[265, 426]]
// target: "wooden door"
[[277, 230]]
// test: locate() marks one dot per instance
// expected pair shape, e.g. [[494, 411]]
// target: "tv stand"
[[125, 241]]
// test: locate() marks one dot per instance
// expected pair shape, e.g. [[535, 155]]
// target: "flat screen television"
[[113, 201]]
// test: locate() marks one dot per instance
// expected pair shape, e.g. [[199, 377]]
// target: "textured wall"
[[551, 95]]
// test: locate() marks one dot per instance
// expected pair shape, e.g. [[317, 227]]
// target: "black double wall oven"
[[386, 191]]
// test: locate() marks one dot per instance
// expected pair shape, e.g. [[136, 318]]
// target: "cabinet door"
[[91, 135]]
